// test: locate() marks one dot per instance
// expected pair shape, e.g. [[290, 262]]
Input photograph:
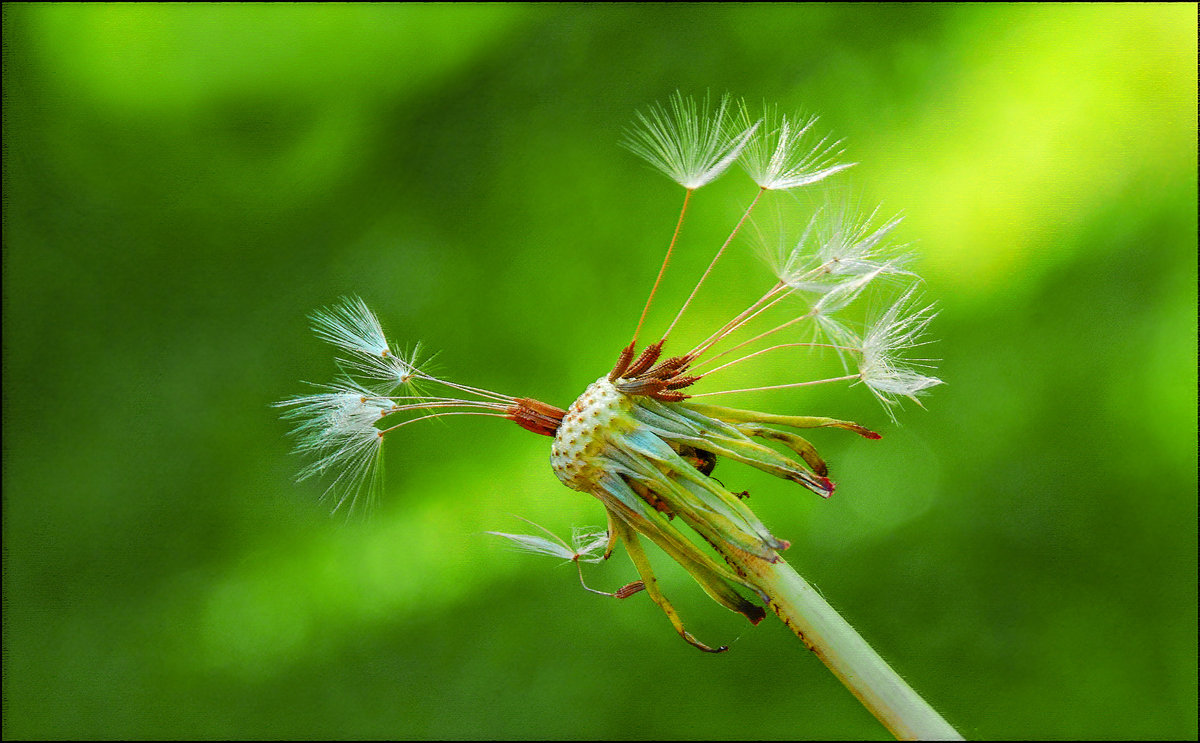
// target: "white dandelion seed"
[[688, 143], [881, 367], [852, 245], [782, 155], [840, 295], [587, 544], [351, 326], [830, 261], [345, 406], [337, 428], [354, 328], [838, 245]]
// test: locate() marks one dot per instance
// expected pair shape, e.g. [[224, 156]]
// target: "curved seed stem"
[[761, 304], [438, 415], [779, 386], [678, 225], [716, 257], [740, 359]]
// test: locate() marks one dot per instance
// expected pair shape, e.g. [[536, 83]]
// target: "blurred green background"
[[184, 184]]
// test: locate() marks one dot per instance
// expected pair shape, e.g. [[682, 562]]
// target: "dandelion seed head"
[[838, 246], [351, 326], [689, 143], [785, 154], [581, 439], [587, 544], [336, 428], [344, 408], [882, 369], [354, 328]]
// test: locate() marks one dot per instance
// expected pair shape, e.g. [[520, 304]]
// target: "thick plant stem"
[[839, 646]]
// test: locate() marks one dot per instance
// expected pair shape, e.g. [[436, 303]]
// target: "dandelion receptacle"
[[642, 439]]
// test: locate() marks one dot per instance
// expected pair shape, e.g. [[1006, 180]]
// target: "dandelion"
[[839, 244], [881, 368], [690, 144], [353, 328], [782, 156], [639, 439]]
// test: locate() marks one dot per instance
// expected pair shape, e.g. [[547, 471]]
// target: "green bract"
[[648, 461]]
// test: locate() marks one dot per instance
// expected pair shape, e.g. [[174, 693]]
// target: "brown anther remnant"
[[670, 368], [655, 388], [626, 591], [670, 396], [622, 363], [641, 386], [534, 415], [679, 382], [661, 382], [645, 361]]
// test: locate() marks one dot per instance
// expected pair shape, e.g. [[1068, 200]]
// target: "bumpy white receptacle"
[[583, 435]]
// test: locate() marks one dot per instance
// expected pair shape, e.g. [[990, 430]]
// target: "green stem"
[[865, 674]]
